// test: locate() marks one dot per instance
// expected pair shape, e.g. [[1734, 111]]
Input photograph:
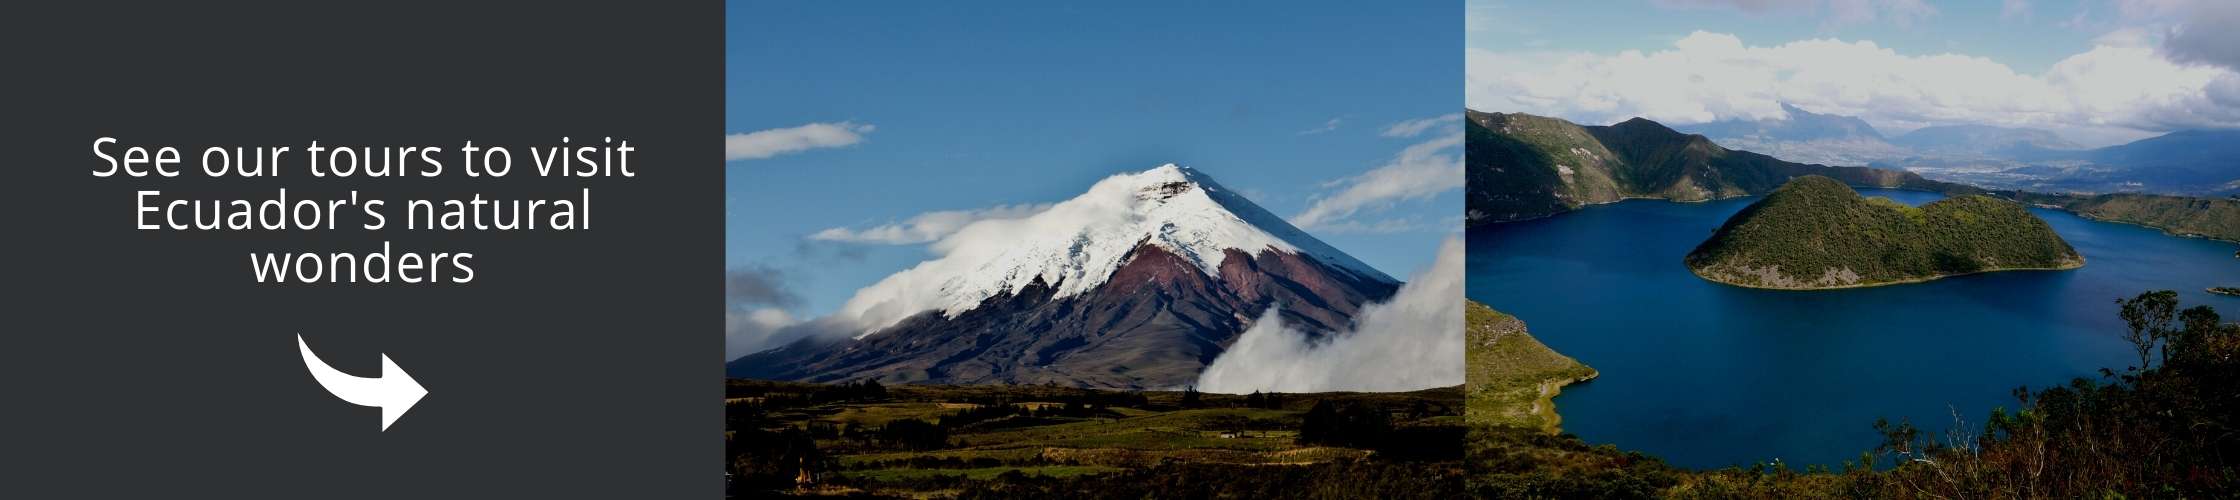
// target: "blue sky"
[[2029, 40], [2096, 71], [875, 115]]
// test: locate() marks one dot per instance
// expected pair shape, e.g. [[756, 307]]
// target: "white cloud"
[[1412, 128], [928, 227], [1326, 127], [747, 331], [767, 143], [1419, 171], [1381, 226], [2114, 91], [1413, 341]]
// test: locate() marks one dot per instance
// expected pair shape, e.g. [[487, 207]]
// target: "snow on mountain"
[[1075, 245]]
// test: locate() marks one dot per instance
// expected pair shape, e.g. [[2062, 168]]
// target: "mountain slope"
[[1138, 283], [1512, 379], [1522, 167], [2216, 218], [1816, 233], [1984, 141], [2182, 161]]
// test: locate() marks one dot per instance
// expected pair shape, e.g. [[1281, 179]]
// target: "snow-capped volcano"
[[1138, 282], [1075, 245]]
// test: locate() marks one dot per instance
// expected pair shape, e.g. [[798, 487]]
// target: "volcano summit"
[[1138, 283]]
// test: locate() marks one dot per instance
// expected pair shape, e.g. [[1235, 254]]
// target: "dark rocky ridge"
[[1156, 323], [1524, 167]]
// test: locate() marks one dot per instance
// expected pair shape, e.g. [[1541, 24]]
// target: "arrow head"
[[403, 392], [394, 391]]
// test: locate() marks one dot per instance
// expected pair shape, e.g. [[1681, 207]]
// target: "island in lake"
[[1816, 233]]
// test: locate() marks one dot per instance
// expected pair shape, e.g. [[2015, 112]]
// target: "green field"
[[844, 437]]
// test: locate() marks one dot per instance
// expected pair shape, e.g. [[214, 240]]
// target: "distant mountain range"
[[1803, 136], [1139, 283], [2182, 162], [1984, 140]]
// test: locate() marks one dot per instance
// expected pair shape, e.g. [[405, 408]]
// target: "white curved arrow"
[[394, 391]]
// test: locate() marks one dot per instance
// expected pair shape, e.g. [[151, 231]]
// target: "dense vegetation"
[[1815, 232], [1511, 378], [2217, 218], [866, 439], [2168, 427], [1518, 176], [1521, 166], [1336, 480]]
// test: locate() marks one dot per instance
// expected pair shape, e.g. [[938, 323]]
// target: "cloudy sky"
[[2098, 72], [857, 137]]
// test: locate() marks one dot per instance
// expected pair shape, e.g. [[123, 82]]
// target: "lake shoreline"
[[1699, 274], [2165, 231], [1551, 421], [1715, 376]]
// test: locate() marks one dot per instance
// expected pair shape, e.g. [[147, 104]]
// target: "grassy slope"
[[1524, 167], [1513, 378], [1817, 233], [2216, 218]]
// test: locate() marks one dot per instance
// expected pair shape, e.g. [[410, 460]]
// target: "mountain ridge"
[[1522, 166], [1801, 135]]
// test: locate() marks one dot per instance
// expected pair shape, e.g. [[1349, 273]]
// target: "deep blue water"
[[1708, 375]]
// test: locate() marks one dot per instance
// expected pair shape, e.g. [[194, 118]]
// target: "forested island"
[[1817, 233]]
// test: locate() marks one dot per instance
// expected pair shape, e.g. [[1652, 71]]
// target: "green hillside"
[[1512, 378], [1816, 233], [2217, 218], [1522, 166]]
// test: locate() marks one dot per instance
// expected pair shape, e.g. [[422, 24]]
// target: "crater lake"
[[1707, 375]]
